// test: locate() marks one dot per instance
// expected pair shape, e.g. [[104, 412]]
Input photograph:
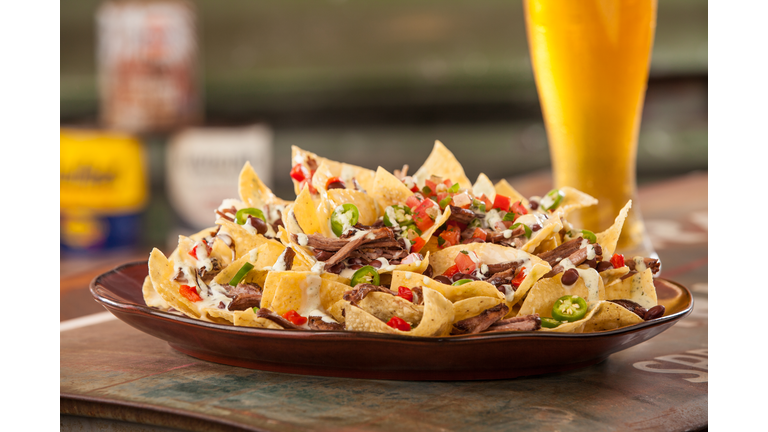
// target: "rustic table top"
[[111, 371]]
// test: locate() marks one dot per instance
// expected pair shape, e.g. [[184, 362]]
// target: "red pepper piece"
[[299, 173], [405, 293], [617, 260], [447, 182], [450, 271], [480, 233], [518, 278], [190, 293], [487, 201], [399, 324], [294, 317], [501, 202], [193, 252]]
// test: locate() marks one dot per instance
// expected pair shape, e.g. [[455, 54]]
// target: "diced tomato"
[[447, 182], [414, 188], [464, 263], [452, 270], [518, 278], [617, 260], [193, 252], [294, 317], [441, 196], [480, 233], [424, 205], [432, 186], [190, 293], [487, 201], [519, 209], [412, 258], [418, 243], [451, 235], [413, 201], [421, 214], [333, 180], [405, 293], [299, 173], [501, 202], [399, 323]]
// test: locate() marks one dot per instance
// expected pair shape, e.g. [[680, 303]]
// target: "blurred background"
[[163, 101]]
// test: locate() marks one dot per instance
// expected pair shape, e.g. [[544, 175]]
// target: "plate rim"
[[137, 309]]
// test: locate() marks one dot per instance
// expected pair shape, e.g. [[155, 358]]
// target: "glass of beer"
[[591, 59]]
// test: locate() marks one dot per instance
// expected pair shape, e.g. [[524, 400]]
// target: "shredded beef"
[[358, 293], [503, 277], [561, 252], [518, 323], [500, 267], [651, 263], [289, 255], [277, 319], [244, 296], [317, 323], [499, 238], [461, 215], [208, 275], [418, 295], [480, 322], [575, 258]]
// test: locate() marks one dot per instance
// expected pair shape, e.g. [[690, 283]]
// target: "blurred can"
[[103, 190], [146, 60]]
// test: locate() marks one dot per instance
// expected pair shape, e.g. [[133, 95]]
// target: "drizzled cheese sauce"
[[591, 280]]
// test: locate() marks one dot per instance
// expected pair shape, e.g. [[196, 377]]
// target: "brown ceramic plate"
[[374, 355]]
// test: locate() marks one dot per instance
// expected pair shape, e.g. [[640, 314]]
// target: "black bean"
[[655, 312], [443, 279], [603, 266], [458, 276], [375, 264], [260, 225], [535, 227], [598, 249], [356, 266], [534, 205], [570, 277], [336, 185], [428, 272]]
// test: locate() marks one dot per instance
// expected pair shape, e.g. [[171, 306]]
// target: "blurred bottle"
[[203, 168], [146, 59], [103, 190]]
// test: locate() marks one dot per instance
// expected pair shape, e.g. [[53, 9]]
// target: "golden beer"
[[591, 59]]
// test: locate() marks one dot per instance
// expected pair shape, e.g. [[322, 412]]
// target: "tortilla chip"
[[442, 163], [388, 190], [385, 306], [573, 199], [548, 231], [484, 186], [219, 316], [305, 211], [253, 192], [151, 296], [452, 293], [504, 188], [345, 171], [604, 316], [612, 275], [292, 290], [248, 318], [365, 204], [161, 273], [545, 292], [436, 321], [443, 218], [244, 240], [610, 237], [336, 310], [470, 307], [639, 288]]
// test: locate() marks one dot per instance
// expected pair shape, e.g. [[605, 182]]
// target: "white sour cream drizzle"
[[591, 280], [310, 299], [303, 239], [279, 264], [636, 292]]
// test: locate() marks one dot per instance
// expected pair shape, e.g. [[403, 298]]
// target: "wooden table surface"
[[112, 374]]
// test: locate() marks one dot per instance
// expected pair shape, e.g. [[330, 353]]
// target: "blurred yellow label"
[[102, 171]]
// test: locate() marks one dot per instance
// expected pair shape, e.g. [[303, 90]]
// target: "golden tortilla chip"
[[342, 170], [219, 316], [151, 296], [604, 316], [504, 188], [305, 212], [610, 237], [442, 163], [253, 192], [612, 275], [484, 186], [300, 291], [452, 293], [365, 204], [161, 273], [474, 306], [388, 190], [639, 288], [545, 292], [436, 321], [573, 199], [548, 231], [248, 318], [385, 306], [244, 240]]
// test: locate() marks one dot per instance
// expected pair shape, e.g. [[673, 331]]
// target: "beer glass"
[[590, 60]]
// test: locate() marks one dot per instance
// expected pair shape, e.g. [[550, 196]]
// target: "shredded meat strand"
[[480, 322], [317, 323], [358, 293], [277, 319]]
